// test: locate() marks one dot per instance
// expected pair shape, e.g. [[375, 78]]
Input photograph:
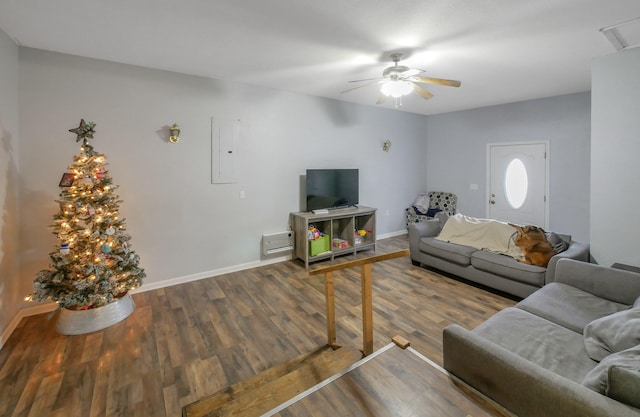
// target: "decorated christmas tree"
[[94, 264]]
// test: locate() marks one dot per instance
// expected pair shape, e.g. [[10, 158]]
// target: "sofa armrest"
[[610, 283], [520, 386], [417, 231], [428, 228], [576, 250]]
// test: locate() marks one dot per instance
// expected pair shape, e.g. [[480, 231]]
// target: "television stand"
[[339, 209], [338, 228]]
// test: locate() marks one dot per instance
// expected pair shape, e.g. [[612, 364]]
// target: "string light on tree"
[[93, 264]]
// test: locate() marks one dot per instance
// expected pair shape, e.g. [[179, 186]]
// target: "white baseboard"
[[22, 313], [208, 274], [392, 234]]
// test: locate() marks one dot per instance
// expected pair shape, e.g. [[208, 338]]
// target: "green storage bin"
[[320, 245]]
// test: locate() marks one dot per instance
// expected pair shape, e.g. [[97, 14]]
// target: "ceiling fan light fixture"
[[397, 88]]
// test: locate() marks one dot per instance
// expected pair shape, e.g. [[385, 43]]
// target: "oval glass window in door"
[[516, 183]]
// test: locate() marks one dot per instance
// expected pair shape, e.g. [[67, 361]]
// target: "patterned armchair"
[[426, 205]]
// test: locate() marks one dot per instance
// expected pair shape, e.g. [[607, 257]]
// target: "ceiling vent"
[[624, 35]]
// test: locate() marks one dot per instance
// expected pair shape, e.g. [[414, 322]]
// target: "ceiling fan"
[[399, 80]]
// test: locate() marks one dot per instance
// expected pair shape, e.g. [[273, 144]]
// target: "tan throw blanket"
[[484, 234]]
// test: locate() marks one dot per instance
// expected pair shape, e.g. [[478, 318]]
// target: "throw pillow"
[[598, 379], [443, 217], [421, 203], [636, 303], [559, 245], [624, 386], [613, 333]]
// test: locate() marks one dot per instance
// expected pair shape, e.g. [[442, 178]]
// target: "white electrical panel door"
[[225, 135]]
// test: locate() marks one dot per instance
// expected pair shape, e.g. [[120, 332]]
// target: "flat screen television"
[[332, 188]]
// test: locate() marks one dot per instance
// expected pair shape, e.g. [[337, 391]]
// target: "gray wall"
[[457, 147], [10, 294], [615, 171], [179, 222]]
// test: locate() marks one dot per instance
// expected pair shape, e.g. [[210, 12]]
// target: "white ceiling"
[[502, 50]]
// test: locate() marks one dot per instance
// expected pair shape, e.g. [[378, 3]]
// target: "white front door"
[[517, 183]]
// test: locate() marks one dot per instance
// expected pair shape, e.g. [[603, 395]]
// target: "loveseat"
[[491, 269], [570, 349]]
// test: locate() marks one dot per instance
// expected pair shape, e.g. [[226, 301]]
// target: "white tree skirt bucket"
[[71, 322]]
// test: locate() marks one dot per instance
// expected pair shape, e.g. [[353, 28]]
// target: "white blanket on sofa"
[[484, 234]]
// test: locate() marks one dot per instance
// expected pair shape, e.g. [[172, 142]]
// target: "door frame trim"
[[547, 164]]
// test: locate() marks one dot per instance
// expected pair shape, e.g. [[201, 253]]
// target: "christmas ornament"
[[100, 173], [87, 212], [86, 181], [64, 249]]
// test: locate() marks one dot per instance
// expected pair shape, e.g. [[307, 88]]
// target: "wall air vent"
[[623, 35], [277, 243]]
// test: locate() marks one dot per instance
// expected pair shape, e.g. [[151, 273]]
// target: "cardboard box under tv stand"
[[339, 224]]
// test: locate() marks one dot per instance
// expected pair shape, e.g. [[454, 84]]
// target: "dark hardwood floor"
[[187, 341]]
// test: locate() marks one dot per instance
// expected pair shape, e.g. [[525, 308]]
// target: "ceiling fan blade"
[[423, 93], [411, 72], [381, 99], [439, 81], [360, 86], [366, 79]]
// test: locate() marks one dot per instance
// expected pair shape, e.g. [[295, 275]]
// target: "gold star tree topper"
[[84, 131]]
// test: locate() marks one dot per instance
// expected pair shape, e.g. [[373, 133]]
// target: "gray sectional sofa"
[[540, 358], [487, 268]]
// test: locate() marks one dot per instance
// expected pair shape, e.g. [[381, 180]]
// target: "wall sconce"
[[386, 145], [174, 132]]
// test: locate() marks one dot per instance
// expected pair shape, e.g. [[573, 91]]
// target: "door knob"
[[492, 201]]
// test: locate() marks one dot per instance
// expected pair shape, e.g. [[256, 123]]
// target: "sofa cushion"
[[449, 251], [612, 333], [542, 342], [598, 378], [506, 266], [568, 306], [624, 385], [442, 217]]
